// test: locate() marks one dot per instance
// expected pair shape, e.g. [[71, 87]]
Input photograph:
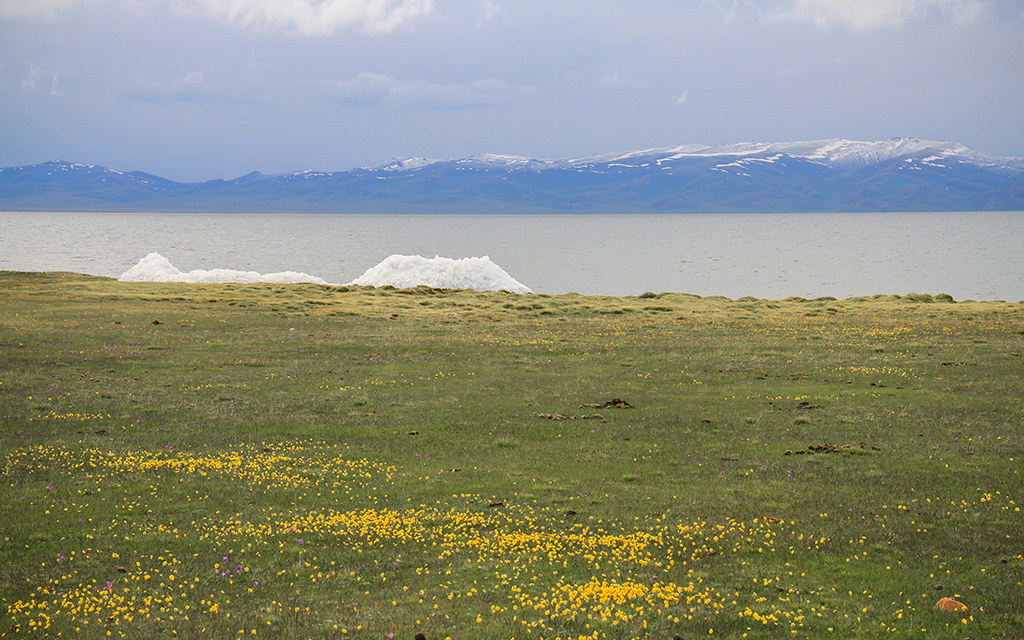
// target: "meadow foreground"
[[307, 461]]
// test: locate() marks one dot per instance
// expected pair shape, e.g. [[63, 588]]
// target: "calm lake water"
[[976, 256]]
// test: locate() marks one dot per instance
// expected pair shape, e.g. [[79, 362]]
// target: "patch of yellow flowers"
[[537, 571]]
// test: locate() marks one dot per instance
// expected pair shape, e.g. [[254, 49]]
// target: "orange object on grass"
[[949, 604]]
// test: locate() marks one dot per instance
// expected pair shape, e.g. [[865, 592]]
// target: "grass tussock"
[[348, 462]]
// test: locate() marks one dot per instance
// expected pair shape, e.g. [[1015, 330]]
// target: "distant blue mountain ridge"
[[900, 174]]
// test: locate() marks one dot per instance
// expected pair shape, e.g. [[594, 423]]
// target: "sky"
[[194, 90]]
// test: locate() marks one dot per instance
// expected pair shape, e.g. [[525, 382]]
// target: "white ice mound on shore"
[[156, 268], [404, 272]]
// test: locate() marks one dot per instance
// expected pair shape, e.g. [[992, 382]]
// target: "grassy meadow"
[[303, 461]]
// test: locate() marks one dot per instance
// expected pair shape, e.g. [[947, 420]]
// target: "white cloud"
[[490, 92], [39, 79], [189, 89], [486, 9], [862, 15], [371, 88], [364, 90], [313, 17], [619, 82], [613, 79], [302, 17], [38, 9]]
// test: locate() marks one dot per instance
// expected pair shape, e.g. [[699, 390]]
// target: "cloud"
[[613, 79], [491, 92], [362, 91], [369, 89], [485, 9], [301, 17], [189, 89], [39, 79], [38, 9], [863, 15], [312, 17]]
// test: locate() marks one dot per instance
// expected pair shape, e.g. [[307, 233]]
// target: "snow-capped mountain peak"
[[402, 164], [836, 153], [900, 174]]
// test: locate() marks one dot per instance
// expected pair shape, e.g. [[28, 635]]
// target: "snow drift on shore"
[[156, 268], [397, 271], [404, 272]]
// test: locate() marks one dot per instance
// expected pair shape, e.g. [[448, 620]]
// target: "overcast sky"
[[198, 89]]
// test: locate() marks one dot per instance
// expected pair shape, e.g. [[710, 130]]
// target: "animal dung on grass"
[[563, 416], [950, 604], [828, 447], [615, 403], [807, 405]]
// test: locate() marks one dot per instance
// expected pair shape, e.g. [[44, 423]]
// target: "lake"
[[977, 256]]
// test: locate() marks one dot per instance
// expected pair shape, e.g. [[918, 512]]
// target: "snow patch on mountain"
[[817, 175], [835, 153], [402, 164]]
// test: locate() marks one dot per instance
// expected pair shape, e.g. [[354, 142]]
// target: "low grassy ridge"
[[302, 461]]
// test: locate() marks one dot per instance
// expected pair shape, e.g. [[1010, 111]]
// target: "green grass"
[[302, 461]]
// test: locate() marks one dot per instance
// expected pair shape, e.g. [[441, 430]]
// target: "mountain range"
[[900, 174]]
